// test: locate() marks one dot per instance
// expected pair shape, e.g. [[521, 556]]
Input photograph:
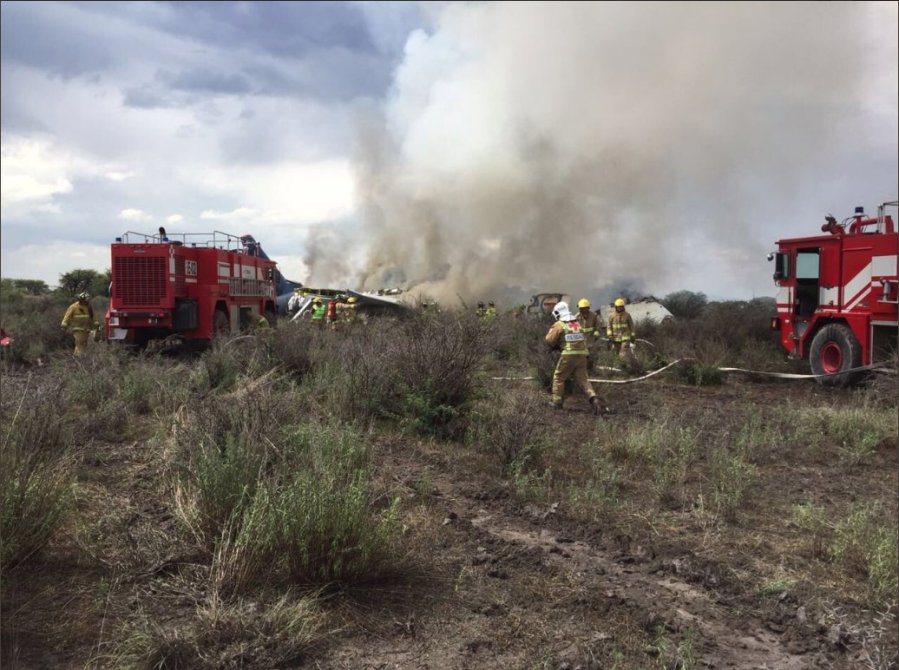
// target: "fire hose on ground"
[[877, 367]]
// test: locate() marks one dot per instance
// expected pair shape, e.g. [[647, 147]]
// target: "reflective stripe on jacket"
[[589, 324], [80, 317], [621, 327], [569, 335]]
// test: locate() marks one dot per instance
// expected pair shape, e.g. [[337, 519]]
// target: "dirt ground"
[[507, 581]]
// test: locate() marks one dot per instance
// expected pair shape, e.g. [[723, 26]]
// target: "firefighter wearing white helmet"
[[566, 335], [620, 330], [591, 327]]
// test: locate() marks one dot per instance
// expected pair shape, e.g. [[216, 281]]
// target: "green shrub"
[[331, 530], [731, 477], [698, 374], [277, 501], [856, 430], [812, 519], [866, 544]]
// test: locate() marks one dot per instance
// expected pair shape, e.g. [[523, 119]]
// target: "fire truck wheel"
[[834, 349], [221, 327]]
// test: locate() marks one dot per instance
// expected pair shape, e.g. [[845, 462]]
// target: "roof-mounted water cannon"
[[831, 226]]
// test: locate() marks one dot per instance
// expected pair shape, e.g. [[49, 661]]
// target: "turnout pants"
[[572, 365]]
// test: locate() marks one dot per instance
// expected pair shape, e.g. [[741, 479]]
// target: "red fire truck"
[[194, 286], [838, 296]]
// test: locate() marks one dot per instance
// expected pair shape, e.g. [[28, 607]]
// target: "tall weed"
[[864, 543], [36, 474]]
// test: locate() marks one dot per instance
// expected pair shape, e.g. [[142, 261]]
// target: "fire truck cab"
[[194, 286], [838, 295]]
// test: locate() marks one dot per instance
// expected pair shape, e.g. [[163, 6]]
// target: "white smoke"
[[569, 146]]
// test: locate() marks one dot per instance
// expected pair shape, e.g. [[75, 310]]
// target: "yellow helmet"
[[583, 302], [619, 302], [352, 300]]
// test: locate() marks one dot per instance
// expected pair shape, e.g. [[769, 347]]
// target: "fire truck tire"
[[834, 349], [221, 326]]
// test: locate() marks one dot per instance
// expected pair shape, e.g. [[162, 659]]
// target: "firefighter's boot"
[[594, 404], [556, 404]]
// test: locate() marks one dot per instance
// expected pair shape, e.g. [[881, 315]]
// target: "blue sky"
[[454, 148]]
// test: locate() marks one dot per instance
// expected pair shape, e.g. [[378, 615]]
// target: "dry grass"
[[337, 458]]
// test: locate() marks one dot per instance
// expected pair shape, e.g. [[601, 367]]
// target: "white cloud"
[[174, 218], [134, 215], [284, 193], [48, 261], [239, 213], [33, 171], [118, 176]]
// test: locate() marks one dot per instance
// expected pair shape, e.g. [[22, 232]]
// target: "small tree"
[[76, 281], [685, 304], [31, 286]]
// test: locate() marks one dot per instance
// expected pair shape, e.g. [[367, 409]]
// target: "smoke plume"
[[564, 146]]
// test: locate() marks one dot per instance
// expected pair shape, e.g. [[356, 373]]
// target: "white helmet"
[[561, 312]]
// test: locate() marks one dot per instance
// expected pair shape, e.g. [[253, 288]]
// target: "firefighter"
[[318, 312], [490, 312], [620, 331], [591, 327], [262, 323], [79, 319], [350, 313], [331, 312], [566, 334], [481, 311]]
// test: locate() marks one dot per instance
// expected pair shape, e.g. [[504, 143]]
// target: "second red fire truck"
[[838, 294]]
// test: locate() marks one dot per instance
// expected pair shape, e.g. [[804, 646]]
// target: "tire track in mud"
[[723, 641]]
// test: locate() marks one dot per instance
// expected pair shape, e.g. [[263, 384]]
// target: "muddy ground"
[[504, 579]]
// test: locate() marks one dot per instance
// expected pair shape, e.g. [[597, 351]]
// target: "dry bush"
[[731, 334], [36, 473], [34, 324], [225, 635], [420, 371], [512, 340], [884, 385], [508, 424]]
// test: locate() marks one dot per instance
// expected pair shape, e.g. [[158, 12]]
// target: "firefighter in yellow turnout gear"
[[346, 313], [79, 320], [591, 326], [620, 331], [566, 334]]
